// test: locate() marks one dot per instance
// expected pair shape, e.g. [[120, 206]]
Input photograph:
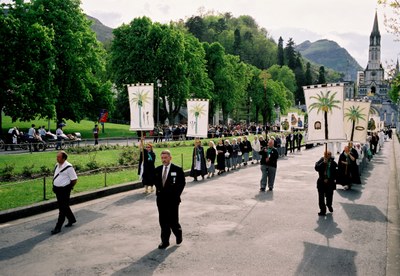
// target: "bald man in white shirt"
[[64, 181]]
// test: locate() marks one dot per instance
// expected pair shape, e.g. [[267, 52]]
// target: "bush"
[[129, 156], [7, 173], [27, 171], [45, 171]]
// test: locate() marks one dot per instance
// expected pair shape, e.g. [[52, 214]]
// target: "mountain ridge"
[[328, 53]]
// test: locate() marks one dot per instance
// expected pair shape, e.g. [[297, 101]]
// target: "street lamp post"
[[159, 84]]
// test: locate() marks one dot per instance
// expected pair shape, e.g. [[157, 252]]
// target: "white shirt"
[[166, 168], [65, 177], [59, 132], [256, 145], [31, 132]]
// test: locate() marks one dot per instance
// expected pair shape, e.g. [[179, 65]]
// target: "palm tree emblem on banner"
[[198, 110], [354, 114], [141, 99], [325, 103]]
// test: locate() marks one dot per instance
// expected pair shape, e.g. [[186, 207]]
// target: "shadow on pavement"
[[148, 263], [361, 212], [327, 227], [127, 200], [264, 196], [23, 247], [325, 260]]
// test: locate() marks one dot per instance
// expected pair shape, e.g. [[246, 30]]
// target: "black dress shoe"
[[330, 209], [179, 239], [163, 245], [55, 231], [321, 214]]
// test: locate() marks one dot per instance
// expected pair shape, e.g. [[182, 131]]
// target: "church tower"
[[372, 83], [374, 73]]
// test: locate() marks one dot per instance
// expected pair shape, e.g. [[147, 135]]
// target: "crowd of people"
[[347, 170], [34, 136]]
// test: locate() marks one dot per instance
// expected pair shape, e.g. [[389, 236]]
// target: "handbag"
[[239, 153]]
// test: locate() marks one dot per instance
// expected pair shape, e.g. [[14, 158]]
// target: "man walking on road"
[[269, 160], [64, 181], [170, 182], [326, 182]]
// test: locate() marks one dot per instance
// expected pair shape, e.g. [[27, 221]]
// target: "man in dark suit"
[[170, 182], [326, 183]]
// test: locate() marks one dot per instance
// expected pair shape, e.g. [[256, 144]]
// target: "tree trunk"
[[326, 124], [352, 131]]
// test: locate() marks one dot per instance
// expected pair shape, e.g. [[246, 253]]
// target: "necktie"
[[164, 176]]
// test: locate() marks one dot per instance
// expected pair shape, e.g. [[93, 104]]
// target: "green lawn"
[[17, 194], [84, 127]]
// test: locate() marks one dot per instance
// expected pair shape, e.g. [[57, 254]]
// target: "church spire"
[[375, 37]]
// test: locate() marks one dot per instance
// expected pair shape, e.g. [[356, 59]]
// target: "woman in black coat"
[[148, 168], [221, 150], [211, 155], [198, 161]]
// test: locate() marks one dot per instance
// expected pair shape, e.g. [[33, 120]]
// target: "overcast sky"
[[348, 22]]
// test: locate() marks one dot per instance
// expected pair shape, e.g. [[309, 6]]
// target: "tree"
[[308, 75], [325, 103], [281, 60], [285, 75], [79, 73], [26, 58], [237, 43], [393, 22], [321, 75], [144, 52], [290, 54], [354, 114]]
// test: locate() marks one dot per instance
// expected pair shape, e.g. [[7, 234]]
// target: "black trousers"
[[169, 220], [322, 194], [63, 195]]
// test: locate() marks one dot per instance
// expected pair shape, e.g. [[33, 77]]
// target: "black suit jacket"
[[174, 185]]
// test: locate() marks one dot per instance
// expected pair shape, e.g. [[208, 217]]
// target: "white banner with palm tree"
[[197, 118], [141, 97], [356, 120], [325, 112]]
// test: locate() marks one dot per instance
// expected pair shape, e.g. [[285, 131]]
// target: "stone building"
[[371, 83]]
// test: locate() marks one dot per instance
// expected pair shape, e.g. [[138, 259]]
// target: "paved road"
[[230, 228]]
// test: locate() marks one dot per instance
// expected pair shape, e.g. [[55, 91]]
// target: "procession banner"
[[197, 118], [361, 125], [300, 122], [285, 125], [141, 99], [318, 97], [292, 119], [374, 123]]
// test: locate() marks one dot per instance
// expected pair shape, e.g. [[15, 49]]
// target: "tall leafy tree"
[[308, 75], [26, 58], [321, 75], [79, 85], [281, 54], [290, 54], [300, 79], [237, 43]]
